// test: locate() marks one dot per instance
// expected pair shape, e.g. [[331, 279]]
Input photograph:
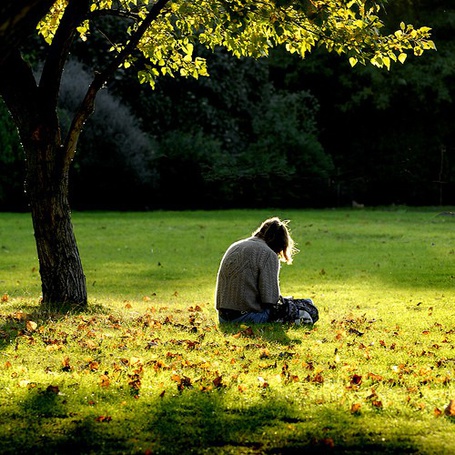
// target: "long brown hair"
[[278, 237]]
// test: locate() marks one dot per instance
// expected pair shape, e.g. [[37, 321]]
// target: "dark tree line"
[[275, 132]]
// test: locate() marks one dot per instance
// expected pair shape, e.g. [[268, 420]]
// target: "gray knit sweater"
[[248, 277]]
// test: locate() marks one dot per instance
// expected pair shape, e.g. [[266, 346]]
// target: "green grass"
[[147, 369]]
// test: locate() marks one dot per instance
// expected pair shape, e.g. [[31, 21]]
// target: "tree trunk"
[[62, 276], [34, 109], [35, 114]]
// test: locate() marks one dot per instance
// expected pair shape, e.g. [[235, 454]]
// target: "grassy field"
[[148, 370]]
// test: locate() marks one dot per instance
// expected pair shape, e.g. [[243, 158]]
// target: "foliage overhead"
[[245, 28]]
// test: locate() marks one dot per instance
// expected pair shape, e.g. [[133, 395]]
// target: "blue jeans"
[[256, 318]]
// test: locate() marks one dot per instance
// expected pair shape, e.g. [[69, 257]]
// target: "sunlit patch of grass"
[[146, 369]]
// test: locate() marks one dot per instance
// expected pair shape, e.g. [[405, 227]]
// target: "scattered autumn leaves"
[[163, 351]]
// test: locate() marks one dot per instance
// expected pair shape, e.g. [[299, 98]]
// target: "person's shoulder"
[[260, 245], [248, 244]]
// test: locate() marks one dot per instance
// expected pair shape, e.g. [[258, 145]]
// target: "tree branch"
[[86, 107], [58, 53]]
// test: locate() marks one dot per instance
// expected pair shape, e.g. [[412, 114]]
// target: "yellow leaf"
[[402, 57], [353, 61], [31, 326], [386, 61]]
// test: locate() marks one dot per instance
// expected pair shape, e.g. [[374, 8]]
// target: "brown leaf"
[[247, 332], [218, 381], [375, 377], [104, 419], [176, 378], [104, 380], [450, 409], [20, 316], [66, 364], [53, 389], [5, 297], [437, 412], [355, 408], [327, 442], [356, 380], [93, 365]]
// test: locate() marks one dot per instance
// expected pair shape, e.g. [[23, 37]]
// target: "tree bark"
[[34, 110], [62, 277]]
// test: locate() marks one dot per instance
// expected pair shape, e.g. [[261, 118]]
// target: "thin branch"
[[60, 47], [114, 13], [87, 105]]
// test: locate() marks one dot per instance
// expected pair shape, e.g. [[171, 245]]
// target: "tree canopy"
[[165, 31], [161, 38]]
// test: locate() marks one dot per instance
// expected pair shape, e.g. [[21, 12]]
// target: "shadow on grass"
[[189, 421], [269, 332], [192, 422], [15, 324]]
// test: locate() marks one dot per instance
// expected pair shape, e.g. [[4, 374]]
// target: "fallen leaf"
[[356, 380], [104, 380], [450, 409], [53, 389], [355, 408], [328, 442], [66, 364], [20, 316], [375, 377], [93, 365], [218, 381], [104, 419]]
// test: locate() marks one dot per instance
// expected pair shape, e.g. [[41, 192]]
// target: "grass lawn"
[[147, 369]]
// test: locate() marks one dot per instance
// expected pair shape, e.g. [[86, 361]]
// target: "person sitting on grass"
[[247, 286]]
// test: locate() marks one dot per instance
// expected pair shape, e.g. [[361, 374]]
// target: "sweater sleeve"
[[268, 280]]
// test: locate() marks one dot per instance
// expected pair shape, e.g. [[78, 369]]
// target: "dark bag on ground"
[[299, 311]]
